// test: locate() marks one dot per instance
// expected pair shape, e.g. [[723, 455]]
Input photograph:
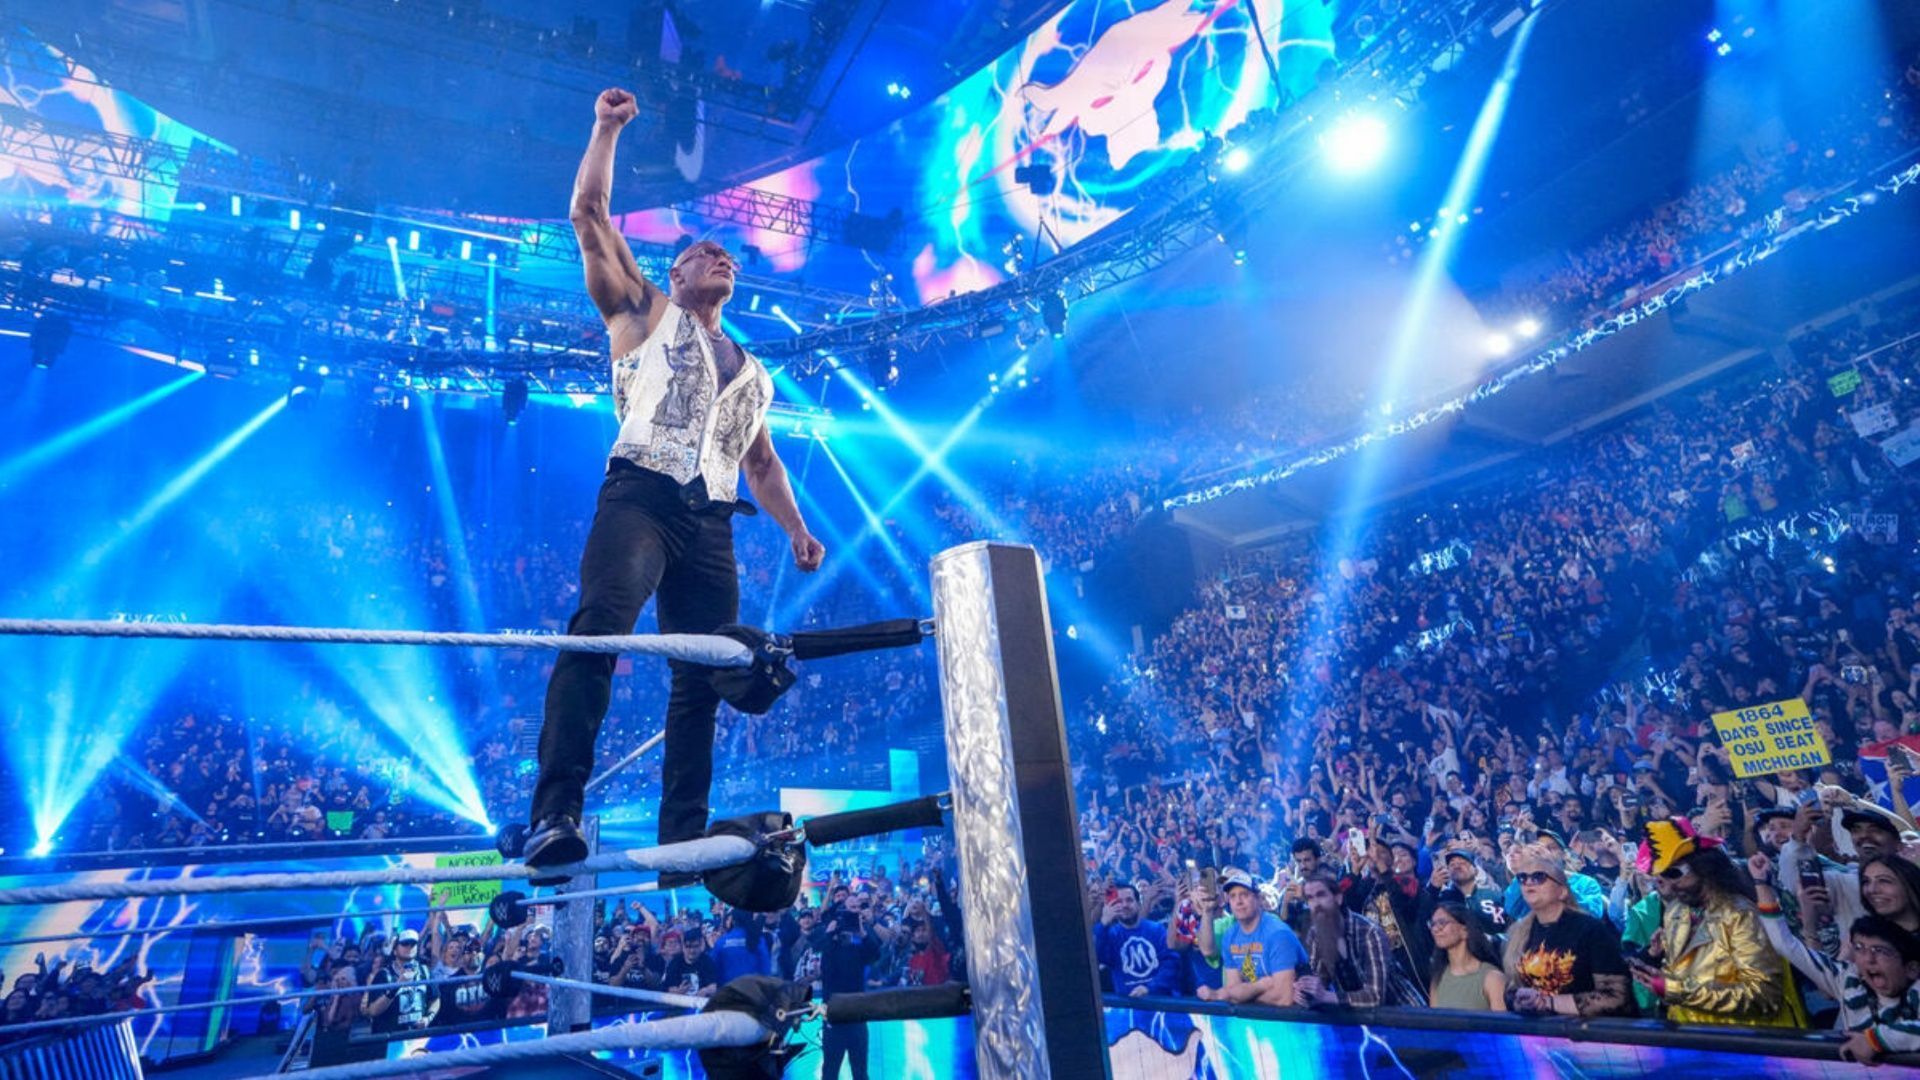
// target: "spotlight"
[[303, 389], [1237, 159], [51, 332], [513, 400], [882, 371], [1053, 310], [1355, 143], [1499, 344], [1527, 328], [43, 848]]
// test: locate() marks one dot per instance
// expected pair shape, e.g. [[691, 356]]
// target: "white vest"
[[670, 419]]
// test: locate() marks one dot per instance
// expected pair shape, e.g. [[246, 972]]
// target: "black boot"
[[555, 841]]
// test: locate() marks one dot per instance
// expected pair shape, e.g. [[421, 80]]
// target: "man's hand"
[[615, 106], [1138, 991], [807, 552], [1650, 978], [1307, 990]]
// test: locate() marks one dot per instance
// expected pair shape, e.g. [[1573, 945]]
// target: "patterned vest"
[[672, 421]]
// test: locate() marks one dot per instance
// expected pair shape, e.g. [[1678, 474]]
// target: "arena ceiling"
[[1751, 316], [482, 105]]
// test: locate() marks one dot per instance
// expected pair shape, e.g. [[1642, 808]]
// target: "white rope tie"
[[708, 650], [697, 1032], [707, 853]]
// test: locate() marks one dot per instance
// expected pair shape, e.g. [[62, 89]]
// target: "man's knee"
[[601, 620]]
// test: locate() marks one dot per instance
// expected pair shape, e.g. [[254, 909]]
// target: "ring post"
[[570, 1009], [1036, 1000]]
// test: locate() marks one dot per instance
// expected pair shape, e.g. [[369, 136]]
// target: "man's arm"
[[614, 279], [767, 479]]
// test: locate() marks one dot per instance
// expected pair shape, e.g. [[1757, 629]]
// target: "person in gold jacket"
[[1716, 965]]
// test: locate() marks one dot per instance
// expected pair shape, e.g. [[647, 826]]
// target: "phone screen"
[[1210, 878]]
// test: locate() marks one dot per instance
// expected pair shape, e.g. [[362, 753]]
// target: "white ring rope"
[[709, 650], [706, 853], [697, 1032], [259, 999], [240, 925], [653, 997]]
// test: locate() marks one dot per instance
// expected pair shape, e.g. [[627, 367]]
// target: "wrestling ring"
[[1009, 800]]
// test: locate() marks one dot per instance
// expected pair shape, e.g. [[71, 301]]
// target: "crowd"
[[74, 988], [1501, 706], [876, 930]]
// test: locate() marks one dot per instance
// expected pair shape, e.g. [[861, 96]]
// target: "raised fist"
[[615, 106]]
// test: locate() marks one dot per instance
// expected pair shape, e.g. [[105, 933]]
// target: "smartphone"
[[1210, 880]]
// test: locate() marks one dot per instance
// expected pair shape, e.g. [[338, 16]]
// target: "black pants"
[[843, 1041], [646, 537]]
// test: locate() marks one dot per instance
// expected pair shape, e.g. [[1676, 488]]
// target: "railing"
[[1762, 1042]]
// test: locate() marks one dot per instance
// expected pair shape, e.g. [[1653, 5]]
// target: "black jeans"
[[848, 1041], [646, 537]]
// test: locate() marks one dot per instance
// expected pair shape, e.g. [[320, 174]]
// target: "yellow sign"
[[1773, 738], [466, 892]]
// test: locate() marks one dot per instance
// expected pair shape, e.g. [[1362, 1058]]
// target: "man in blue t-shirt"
[[1133, 951], [1257, 953], [743, 948]]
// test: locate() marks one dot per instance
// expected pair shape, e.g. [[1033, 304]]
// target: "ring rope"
[[239, 924], [259, 999], [706, 853], [698, 1032], [654, 997], [709, 650]]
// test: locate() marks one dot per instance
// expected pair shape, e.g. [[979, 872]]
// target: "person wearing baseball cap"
[[1257, 953], [1878, 989], [405, 1005], [1460, 869]]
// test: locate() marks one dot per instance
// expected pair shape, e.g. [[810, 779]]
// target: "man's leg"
[[699, 592], [857, 1050], [626, 553], [833, 1048]]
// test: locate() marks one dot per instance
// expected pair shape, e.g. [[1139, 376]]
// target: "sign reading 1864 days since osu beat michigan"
[[1773, 738]]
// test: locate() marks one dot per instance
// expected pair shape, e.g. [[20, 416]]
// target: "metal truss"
[[798, 217]]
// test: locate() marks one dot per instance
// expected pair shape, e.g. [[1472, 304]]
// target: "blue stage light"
[[1355, 143], [1237, 159]]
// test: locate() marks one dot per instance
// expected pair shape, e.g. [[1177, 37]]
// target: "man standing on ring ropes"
[[692, 407]]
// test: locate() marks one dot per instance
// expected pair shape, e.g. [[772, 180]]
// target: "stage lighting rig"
[[883, 370], [1053, 310], [513, 400], [51, 332]]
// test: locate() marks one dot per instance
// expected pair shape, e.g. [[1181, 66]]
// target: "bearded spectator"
[[1348, 957], [1559, 960], [1716, 966]]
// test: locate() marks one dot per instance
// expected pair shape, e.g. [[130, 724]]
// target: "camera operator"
[[847, 940]]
